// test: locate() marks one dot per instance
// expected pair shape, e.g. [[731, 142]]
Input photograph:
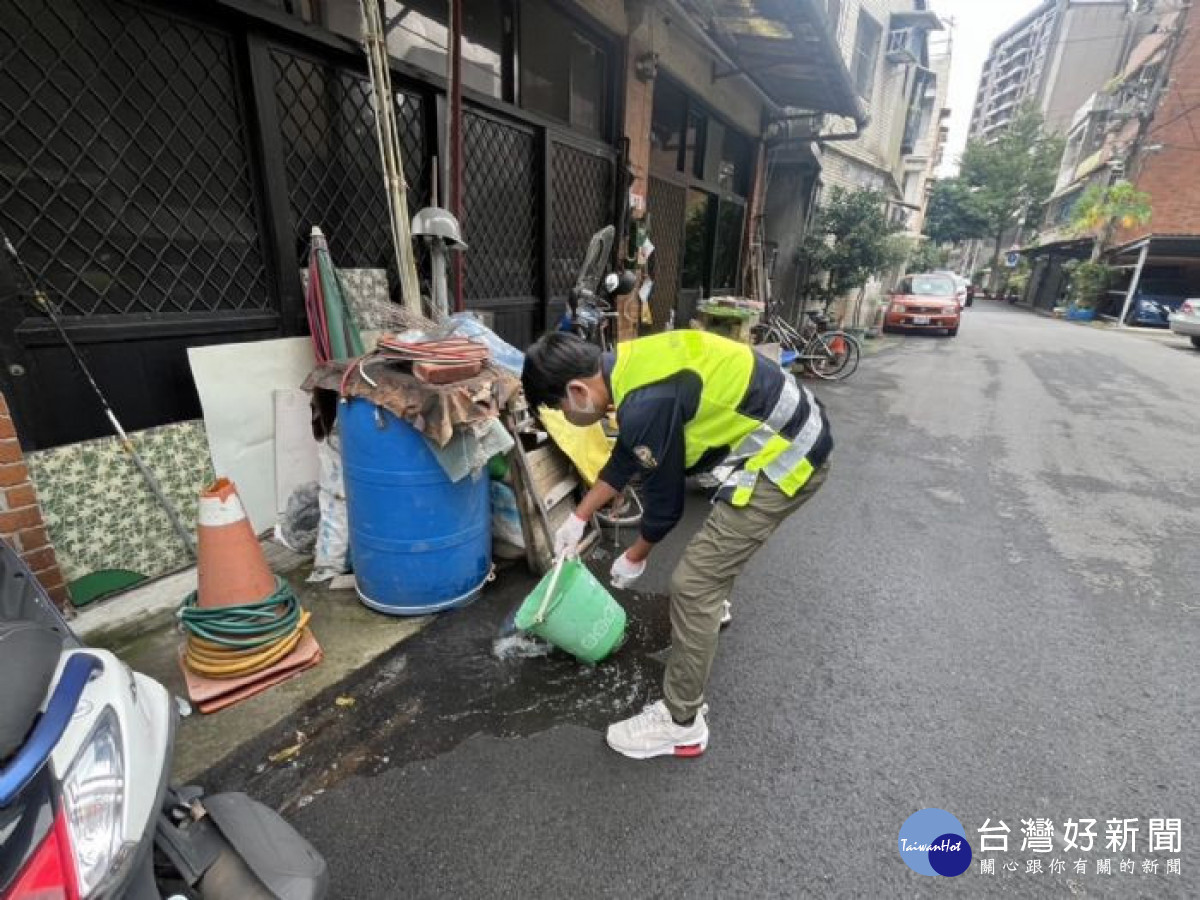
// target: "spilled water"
[[520, 646], [469, 673]]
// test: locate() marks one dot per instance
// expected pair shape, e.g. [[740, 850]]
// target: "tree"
[[848, 243], [955, 213], [1101, 209], [927, 256], [1012, 177]]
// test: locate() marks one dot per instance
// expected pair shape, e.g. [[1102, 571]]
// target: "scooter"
[[589, 312], [86, 810]]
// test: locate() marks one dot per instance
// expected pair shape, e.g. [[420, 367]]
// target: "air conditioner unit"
[[902, 46]]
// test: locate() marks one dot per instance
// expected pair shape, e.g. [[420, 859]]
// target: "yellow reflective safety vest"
[[725, 420]]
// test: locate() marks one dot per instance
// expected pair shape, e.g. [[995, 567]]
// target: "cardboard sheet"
[[237, 384], [295, 447]]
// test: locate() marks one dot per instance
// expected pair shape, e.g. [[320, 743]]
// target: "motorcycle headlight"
[[93, 799]]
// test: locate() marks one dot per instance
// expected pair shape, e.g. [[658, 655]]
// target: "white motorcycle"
[[86, 810]]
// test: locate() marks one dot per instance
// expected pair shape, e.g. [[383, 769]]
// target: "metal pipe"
[[1134, 283], [698, 34], [387, 133], [42, 302], [456, 139]]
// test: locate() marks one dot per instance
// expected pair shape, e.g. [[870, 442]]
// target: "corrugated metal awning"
[[787, 48]]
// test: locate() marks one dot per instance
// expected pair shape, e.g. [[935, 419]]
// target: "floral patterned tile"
[[99, 512]]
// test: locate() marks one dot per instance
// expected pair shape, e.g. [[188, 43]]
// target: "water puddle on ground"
[[520, 646], [468, 673]]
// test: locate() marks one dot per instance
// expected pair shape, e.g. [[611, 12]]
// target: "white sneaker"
[[652, 732], [727, 615]]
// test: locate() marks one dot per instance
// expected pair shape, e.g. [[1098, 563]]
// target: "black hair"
[[554, 360]]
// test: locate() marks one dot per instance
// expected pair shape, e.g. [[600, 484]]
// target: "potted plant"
[[1089, 281]]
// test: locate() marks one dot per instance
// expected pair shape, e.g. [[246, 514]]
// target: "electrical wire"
[[243, 639]]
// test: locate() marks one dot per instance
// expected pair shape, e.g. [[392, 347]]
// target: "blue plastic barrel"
[[419, 542]]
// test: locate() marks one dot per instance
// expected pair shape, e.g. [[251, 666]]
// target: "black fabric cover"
[[28, 656], [23, 599], [33, 635]]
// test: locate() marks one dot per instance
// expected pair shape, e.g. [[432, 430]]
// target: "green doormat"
[[95, 585]]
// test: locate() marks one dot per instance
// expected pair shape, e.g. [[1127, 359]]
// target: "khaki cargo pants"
[[704, 579]]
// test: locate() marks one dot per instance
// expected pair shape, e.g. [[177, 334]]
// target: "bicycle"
[[829, 355]]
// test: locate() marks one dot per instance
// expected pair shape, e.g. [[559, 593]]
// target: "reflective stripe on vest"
[[725, 370], [784, 462], [785, 408], [791, 468]]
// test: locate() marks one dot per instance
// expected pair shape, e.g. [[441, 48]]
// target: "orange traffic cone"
[[222, 664], [231, 567]]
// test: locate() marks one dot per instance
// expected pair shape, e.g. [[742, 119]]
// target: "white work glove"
[[625, 571], [568, 536]]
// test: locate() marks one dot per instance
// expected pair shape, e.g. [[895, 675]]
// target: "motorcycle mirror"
[[619, 285]]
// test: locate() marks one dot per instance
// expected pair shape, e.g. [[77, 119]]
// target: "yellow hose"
[[214, 661]]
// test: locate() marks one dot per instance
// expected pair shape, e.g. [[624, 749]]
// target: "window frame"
[[861, 58], [684, 175], [834, 12], [613, 64], [587, 28]]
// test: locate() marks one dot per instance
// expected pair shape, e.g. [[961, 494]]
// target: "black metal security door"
[[127, 185], [162, 165], [501, 222], [325, 121], [581, 190], [666, 205]]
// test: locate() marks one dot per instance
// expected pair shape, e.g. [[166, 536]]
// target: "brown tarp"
[[434, 410]]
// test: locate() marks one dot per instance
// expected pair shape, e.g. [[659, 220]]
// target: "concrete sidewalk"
[[141, 628], [1160, 335]]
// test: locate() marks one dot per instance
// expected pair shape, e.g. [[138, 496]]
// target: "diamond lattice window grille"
[[667, 206], [331, 156], [500, 209], [124, 172], [581, 200]]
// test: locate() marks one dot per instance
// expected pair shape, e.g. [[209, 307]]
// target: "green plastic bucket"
[[580, 617]]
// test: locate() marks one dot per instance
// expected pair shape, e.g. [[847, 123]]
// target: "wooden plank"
[[537, 549], [561, 491], [549, 466], [552, 493]]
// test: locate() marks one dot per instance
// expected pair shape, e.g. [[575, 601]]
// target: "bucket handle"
[[540, 616]]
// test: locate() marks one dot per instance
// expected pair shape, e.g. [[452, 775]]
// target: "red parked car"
[[924, 303]]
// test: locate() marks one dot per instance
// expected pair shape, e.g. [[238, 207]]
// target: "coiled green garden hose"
[[234, 641]]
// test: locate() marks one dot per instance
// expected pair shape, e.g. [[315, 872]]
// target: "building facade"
[[162, 165], [1053, 58], [899, 64], [1137, 129]]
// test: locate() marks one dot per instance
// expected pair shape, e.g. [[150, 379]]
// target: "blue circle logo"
[[933, 842]]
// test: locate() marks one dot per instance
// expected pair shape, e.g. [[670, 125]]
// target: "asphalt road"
[[990, 608]]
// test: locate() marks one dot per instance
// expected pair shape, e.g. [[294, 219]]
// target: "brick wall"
[[1169, 175], [20, 515]]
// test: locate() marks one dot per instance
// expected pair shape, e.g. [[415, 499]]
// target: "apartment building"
[[1055, 57], [1139, 129]]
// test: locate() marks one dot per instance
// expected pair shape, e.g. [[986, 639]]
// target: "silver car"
[[1187, 321], [960, 286]]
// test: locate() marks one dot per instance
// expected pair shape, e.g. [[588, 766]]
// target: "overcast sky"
[[976, 24]]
